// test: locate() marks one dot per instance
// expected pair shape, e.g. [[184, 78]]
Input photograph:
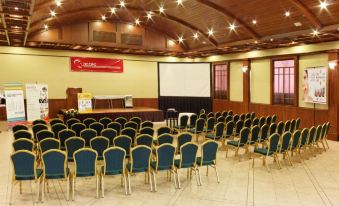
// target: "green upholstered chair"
[[110, 134], [72, 121], [23, 134], [255, 138], [123, 141], [311, 139], [88, 121], [48, 144], [271, 150], [210, 124], [23, 144], [252, 115], [280, 127], [193, 120], [164, 138], [78, 127], [217, 114], [121, 121], [274, 118], [183, 123], [210, 114], [57, 127], [188, 160], [229, 132], [248, 123], [140, 160], [164, 161], [144, 139], [132, 125], [87, 135], [243, 142], [25, 169], [264, 134], [268, 120], [132, 133], [146, 124], [203, 116], [97, 126], [54, 163], [221, 119], [39, 121], [325, 134], [116, 126], [85, 165], [63, 135], [230, 112], [293, 124], [202, 111], [199, 128], [255, 122], [242, 116], [262, 121], [105, 121], [224, 113], [303, 141], [147, 130], [319, 131], [163, 130], [54, 121], [114, 158], [218, 132], [297, 124], [228, 119], [248, 116], [295, 143], [238, 127], [182, 139], [73, 144], [236, 118], [285, 146], [43, 134], [136, 120], [272, 129], [287, 126], [99, 144], [208, 156], [19, 127], [37, 128]]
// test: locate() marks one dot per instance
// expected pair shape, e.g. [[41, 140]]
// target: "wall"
[[236, 79], [260, 81]]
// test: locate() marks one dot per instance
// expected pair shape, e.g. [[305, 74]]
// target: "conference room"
[[169, 102]]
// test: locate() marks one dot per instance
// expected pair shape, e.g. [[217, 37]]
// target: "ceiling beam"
[[307, 12], [31, 9], [4, 23], [228, 14]]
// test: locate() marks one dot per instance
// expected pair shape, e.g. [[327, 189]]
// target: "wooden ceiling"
[[78, 25]]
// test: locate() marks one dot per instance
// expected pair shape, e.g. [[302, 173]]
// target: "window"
[[284, 82], [221, 81]]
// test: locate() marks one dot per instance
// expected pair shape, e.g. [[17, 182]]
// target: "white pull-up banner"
[[15, 106], [37, 101], [314, 85]]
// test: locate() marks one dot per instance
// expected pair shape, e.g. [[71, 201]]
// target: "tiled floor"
[[313, 182]]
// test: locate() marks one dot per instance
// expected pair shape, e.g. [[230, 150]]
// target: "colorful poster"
[[314, 85], [86, 64], [37, 101], [84, 102], [15, 106]]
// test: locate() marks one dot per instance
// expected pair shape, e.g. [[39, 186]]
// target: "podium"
[[72, 97]]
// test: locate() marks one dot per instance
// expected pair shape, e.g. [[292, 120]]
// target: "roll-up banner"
[[84, 102], [15, 106], [314, 85], [37, 101]]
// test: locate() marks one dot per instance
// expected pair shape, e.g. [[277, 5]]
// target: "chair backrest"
[[304, 136], [217, 114], [48, 144], [63, 135], [71, 121], [116, 126], [229, 129], [268, 120], [255, 133], [43, 134], [124, 142], [39, 121], [183, 138], [147, 130], [210, 123], [248, 123], [73, 144], [97, 126], [188, 154], [238, 126], [110, 134], [165, 138], [242, 116], [203, 115], [140, 158], [24, 164], [132, 125], [163, 130], [221, 119], [286, 141], [23, 134], [87, 135], [210, 114], [328, 126], [262, 121], [23, 144], [129, 132], [273, 145], [244, 135], [121, 120], [311, 135], [273, 128], [183, 121], [114, 158], [105, 121], [230, 112], [200, 124], [264, 132], [318, 132], [193, 120], [37, 128], [287, 126], [252, 115], [229, 118], [54, 163], [323, 131], [255, 122], [219, 130], [88, 121], [296, 140], [280, 127], [165, 156], [85, 162], [99, 144], [137, 120], [224, 113], [297, 124], [248, 116], [144, 139], [235, 118], [147, 124], [78, 127], [55, 121], [57, 127], [19, 127], [274, 118], [293, 123], [202, 111], [209, 152]]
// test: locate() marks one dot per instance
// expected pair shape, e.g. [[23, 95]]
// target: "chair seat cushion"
[[177, 164], [211, 136], [179, 127], [262, 151], [194, 131], [160, 167], [29, 177], [235, 143], [57, 176], [200, 162], [111, 172], [135, 170]]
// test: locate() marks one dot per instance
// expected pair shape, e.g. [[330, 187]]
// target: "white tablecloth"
[[185, 113], [109, 96]]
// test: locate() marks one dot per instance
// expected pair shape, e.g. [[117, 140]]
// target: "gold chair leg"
[[129, 183], [67, 187], [327, 143], [154, 181], [73, 186], [216, 173], [226, 150], [178, 179], [197, 176], [207, 170], [150, 180], [125, 180], [20, 186], [102, 186], [97, 186], [174, 179]]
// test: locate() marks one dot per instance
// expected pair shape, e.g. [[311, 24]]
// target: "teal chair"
[[229, 118], [25, 169], [164, 138], [71, 121], [295, 143], [43, 134], [210, 124], [229, 131], [88, 121], [23, 134], [78, 127], [87, 135], [124, 142], [114, 158], [293, 124], [208, 157], [140, 160], [255, 122], [230, 112], [146, 124], [85, 161], [319, 131], [303, 141], [238, 127], [132, 125], [311, 139], [268, 120], [217, 133], [203, 116], [97, 126], [272, 129], [262, 121], [255, 138], [183, 123], [144, 139], [116, 126], [48, 144], [137, 120], [243, 142], [199, 128], [54, 163], [105, 121], [55, 121], [285, 146], [221, 119], [274, 118], [73, 144], [217, 115], [132, 133], [188, 160], [210, 114], [280, 127], [164, 161], [121, 121], [264, 134], [37, 128], [324, 137], [110, 134], [23, 144], [39, 121], [224, 114], [147, 130], [19, 127], [236, 118], [63, 135], [56, 128], [182, 139], [99, 144], [287, 126], [248, 123], [270, 151], [242, 117], [297, 124], [163, 130], [193, 121]]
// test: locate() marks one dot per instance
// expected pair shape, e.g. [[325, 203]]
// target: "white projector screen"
[[185, 79]]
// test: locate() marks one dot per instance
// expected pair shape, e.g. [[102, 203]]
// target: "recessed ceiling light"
[[232, 27], [297, 24], [53, 14], [179, 2], [271, 39], [89, 48], [195, 35], [293, 42], [58, 2], [137, 21], [254, 21], [315, 32], [204, 42], [256, 42], [323, 4], [181, 39], [210, 32], [287, 13], [161, 9], [113, 10], [16, 8], [122, 3], [46, 27], [149, 15], [103, 17]]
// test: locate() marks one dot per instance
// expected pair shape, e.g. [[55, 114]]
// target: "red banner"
[[86, 64]]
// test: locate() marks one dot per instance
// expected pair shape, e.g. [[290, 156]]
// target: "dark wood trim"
[[246, 84]]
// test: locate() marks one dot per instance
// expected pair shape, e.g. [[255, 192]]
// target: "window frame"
[[296, 80], [227, 79]]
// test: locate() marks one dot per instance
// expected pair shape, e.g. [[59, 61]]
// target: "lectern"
[[72, 97]]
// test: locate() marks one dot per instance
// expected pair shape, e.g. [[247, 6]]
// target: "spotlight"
[[137, 21], [195, 35], [179, 2], [113, 10], [323, 4], [122, 4], [287, 13], [46, 27], [315, 32], [103, 18], [161, 9], [210, 32], [254, 21], [181, 39], [53, 14], [232, 27], [58, 2]]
